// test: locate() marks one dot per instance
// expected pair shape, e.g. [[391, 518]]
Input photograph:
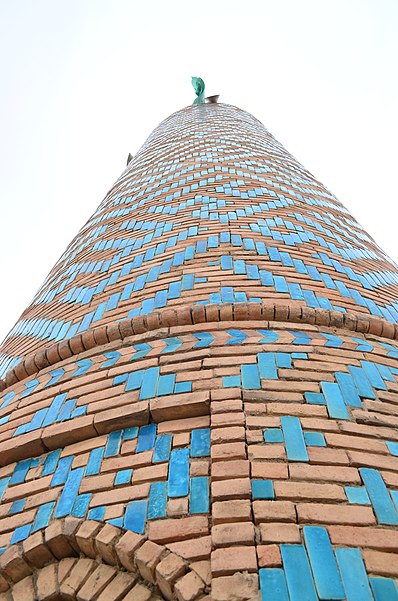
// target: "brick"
[[105, 542], [355, 442], [118, 587], [139, 593], [47, 583], [85, 537], [325, 456], [383, 539], [80, 428], [377, 461], [97, 582], [199, 467], [192, 549], [239, 488], [125, 548], [239, 587], [240, 533], [146, 558], [280, 533], [225, 470], [77, 577], [189, 587], [261, 452], [177, 507], [136, 414], [227, 434], [203, 569], [231, 511], [382, 564], [269, 470], [168, 571], [24, 590], [318, 513], [35, 551], [64, 567], [192, 404], [170, 530], [57, 542], [151, 473], [226, 451], [308, 491], [12, 564], [345, 475], [273, 511], [268, 556]]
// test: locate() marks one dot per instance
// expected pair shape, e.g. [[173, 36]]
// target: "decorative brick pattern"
[[201, 400]]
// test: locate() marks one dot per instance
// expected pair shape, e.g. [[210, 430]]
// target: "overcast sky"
[[84, 82]]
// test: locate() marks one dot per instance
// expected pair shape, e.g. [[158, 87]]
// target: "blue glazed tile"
[[200, 442], [116, 522], [62, 471], [273, 585], [231, 381], [20, 534], [348, 389], [262, 489], [20, 472], [130, 433], [112, 447], [94, 461], [379, 496], [66, 410], [298, 574], [50, 463], [146, 438], [294, 439], [315, 398], [123, 477], [361, 382], [166, 384], [134, 380], [69, 493], [250, 377], [273, 435], [135, 516], [392, 447], [357, 495], [97, 513], [178, 481], [80, 506], [3, 485], [314, 439], [199, 495], [373, 375], [157, 500], [384, 589], [267, 366], [334, 400], [149, 383], [162, 448], [323, 563], [183, 387], [17, 506], [283, 360], [43, 516], [355, 579]]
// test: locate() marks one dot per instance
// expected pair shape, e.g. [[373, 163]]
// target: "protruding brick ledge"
[[86, 558], [195, 314]]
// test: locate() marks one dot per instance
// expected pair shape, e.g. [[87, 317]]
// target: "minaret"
[[201, 400]]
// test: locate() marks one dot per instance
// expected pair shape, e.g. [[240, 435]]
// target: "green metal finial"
[[199, 87]]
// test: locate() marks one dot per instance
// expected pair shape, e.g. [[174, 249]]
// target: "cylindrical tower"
[[201, 400]]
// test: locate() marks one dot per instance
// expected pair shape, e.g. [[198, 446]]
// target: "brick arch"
[[86, 560]]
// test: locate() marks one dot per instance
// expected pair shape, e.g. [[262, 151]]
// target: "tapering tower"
[[201, 400]]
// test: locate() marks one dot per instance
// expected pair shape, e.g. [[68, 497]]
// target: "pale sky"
[[84, 82]]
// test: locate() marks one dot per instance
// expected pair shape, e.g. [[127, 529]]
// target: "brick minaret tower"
[[201, 402]]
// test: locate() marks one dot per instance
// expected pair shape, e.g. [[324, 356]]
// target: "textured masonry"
[[201, 401]]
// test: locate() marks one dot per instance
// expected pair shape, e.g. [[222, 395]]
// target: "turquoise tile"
[[130, 433], [149, 383], [267, 366], [50, 463], [112, 446], [380, 497], [315, 398], [298, 573], [20, 534], [69, 493], [294, 440], [314, 439], [183, 387], [97, 513], [146, 438], [361, 382], [262, 489], [392, 447], [334, 400], [373, 375], [273, 435], [43, 515], [93, 466], [273, 585], [231, 381], [157, 500], [123, 477], [62, 471], [384, 589], [250, 377], [354, 576], [17, 506], [178, 482], [166, 384], [162, 448], [323, 563], [199, 495], [200, 442], [135, 516], [348, 389], [357, 495], [80, 506]]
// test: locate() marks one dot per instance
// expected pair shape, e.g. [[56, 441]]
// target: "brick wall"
[[200, 402]]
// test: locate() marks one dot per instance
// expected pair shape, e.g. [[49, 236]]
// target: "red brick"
[[273, 511], [146, 558], [125, 548], [192, 549], [382, 564], [232, 450], [383, 539], [239, 488], [271, 470], [168, 571], [189, 587], [118, 587], [225, 470], [97, 582], [268, 556], [233, 559], [77, 577], [346, 475], [239, 587], [308, 491], [192, 404], [240, 533], [318, 513], [280, 533], [170, 530], [231, 511]]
